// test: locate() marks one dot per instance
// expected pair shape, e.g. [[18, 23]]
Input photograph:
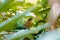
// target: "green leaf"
[[9, 24], [5, 5]]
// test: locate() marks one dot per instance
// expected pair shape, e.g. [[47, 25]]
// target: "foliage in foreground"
[[16, 13]]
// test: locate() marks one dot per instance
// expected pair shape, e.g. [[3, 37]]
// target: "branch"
[[21, 34]]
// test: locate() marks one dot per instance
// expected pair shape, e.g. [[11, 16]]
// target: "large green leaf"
[[9, 24], [5, 5]]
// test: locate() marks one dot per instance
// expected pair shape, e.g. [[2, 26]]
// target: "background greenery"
[[14, 13]]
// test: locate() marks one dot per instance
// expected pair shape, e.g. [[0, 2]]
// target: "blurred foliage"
[[14, 13]]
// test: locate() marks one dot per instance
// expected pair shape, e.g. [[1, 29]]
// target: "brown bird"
[[29, 23]]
